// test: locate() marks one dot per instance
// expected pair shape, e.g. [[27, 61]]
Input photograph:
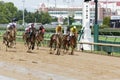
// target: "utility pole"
[[23, 13], [55, 3], [106, 7], [68, 2]]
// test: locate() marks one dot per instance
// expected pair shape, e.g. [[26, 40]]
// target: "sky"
[[32, 5]]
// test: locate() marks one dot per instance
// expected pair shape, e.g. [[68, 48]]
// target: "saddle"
[[55, 36]]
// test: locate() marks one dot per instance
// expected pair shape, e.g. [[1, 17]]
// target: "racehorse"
[[9, 38], [65, 43], [69, 44], [56, 41], [30, 39], [73, 43], [39, 38]]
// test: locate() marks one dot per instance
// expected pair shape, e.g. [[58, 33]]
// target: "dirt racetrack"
[[17, 64]]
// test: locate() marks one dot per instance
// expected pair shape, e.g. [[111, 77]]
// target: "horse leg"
[[6, 45], [51, 47], [59, 49], [33, 45], [72, 49], [51, 50], [29, 47], [37, 45], [14, 44]]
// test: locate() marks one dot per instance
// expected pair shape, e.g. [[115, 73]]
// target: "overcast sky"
[[32, 5]]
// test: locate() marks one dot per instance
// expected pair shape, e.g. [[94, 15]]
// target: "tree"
[[37, 17], [7, 12], [71, 20], [45, 18], [106, 21]]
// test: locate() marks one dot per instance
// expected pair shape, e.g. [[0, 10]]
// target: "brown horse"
[[30, 39], [39, 38], [65, 43], [71, 43], [9, 38], [56, 40]]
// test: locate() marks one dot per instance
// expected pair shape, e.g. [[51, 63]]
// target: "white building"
[[104, 9]]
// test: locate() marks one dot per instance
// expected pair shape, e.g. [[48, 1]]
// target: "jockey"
[[12, 27], [73, 31], [42, 29], [59, 29], [9, 27], [27, 29], [32, 28]]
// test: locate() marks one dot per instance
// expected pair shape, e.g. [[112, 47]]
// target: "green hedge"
[[110, 31]]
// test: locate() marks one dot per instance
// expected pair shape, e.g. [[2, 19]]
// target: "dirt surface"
[[17, 64]]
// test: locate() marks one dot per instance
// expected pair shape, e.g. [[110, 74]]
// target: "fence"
[[109, 48]]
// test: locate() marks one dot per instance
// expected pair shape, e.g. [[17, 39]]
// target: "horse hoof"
[[57, 54], [28, 51], [51, 53]]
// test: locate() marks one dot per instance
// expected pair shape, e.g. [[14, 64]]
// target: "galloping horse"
[[65, 43], [9, 38], [39, 38], [30, 39], [71, 43], [56, 39]]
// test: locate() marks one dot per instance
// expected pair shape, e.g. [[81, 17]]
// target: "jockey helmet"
[[74, 27], [14, 19], [32, 24]]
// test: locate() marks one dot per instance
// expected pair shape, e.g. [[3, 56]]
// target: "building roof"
[[118, 3]]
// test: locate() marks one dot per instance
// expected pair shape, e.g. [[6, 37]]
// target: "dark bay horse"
[[30, 39], [65, 43], [73, 43], [69, 44], [39, 38], [56, 42], [9, 38]]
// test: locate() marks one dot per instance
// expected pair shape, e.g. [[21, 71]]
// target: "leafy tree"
[[45, 18], [106, 21], [54, 19], [7, 12], [29, 18], [37, 17], [65, 21], [71, 20]]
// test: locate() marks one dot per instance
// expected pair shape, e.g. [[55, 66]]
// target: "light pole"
[[23, 13], [55, 3], [96, 26], [68, 1]]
